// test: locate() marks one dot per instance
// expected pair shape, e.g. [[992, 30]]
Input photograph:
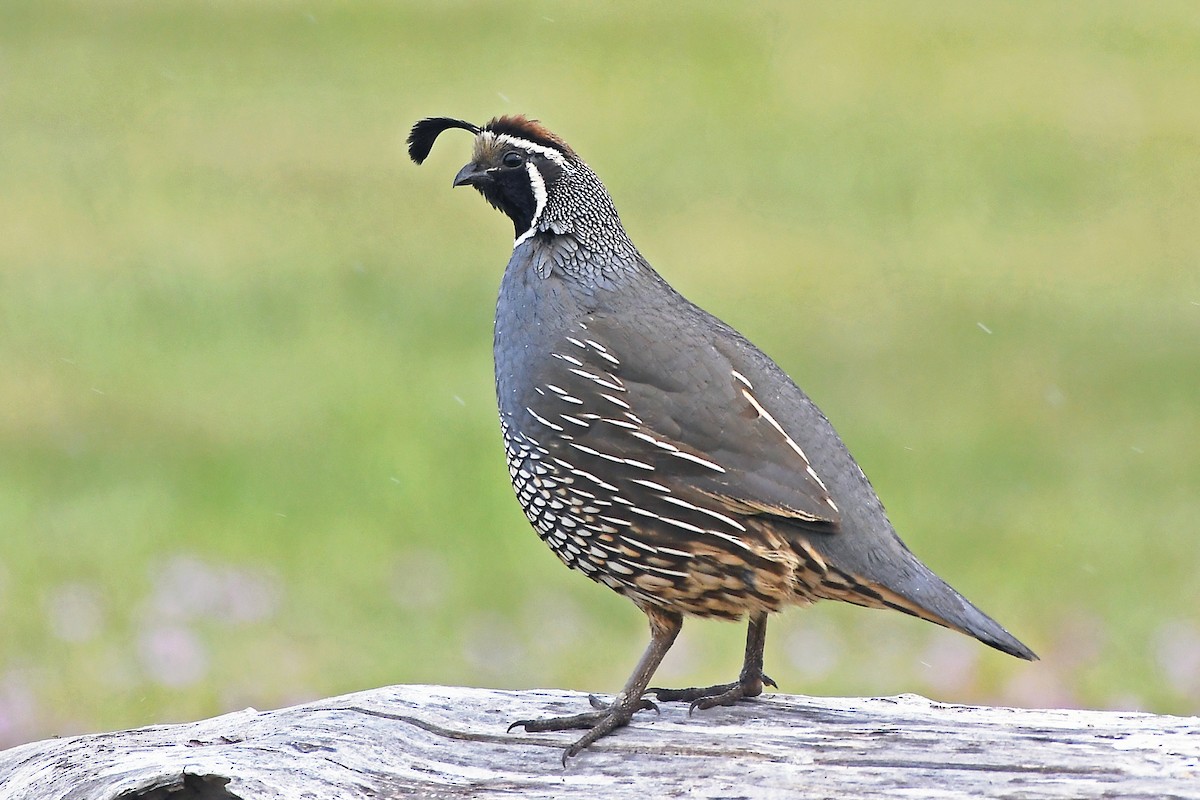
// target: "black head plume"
[[425, 132]]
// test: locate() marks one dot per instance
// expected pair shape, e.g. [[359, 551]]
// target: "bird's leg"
[[749, 684], [664, 627]]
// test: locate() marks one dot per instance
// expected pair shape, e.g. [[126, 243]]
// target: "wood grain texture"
[[450, 742]]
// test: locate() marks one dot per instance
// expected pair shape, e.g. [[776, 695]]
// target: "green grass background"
[[248, 446]]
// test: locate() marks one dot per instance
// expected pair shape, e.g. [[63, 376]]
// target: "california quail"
[[655, 449]]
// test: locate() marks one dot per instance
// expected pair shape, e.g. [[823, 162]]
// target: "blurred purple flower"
[[74, 612], [172, 656], [813, 649], [1177, 650], [491, 647], [18, 709], [420, 580], [951, 663], [249, 595], [188, 588]]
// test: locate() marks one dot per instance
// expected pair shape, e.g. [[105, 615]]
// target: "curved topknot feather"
[[425, 132]]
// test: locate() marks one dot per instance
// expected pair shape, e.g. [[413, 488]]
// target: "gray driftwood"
[[448, 742]]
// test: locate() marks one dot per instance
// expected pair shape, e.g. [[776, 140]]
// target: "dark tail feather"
[[994, 635], [927, 596], [974, 622]]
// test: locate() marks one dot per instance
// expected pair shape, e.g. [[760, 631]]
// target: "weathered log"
[[436, 741]]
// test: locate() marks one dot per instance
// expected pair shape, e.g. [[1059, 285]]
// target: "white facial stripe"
[[539, 198], [525, 144]]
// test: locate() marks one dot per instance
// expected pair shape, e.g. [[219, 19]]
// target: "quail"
[[659, 452]]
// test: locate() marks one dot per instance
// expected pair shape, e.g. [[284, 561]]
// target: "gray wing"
[[679, 415]]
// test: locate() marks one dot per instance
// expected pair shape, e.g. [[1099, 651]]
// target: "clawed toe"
[[689, 695], [643, 704], [570, 722], [604, 718], [599, 723], [721, 694], [728, 697]]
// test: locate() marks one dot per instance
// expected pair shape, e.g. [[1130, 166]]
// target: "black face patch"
[[504, 153], [511, 192], [509, 184]]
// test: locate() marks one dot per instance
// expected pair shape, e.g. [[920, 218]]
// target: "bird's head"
[[518, 165]]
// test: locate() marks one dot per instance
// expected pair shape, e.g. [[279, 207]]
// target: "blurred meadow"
[[248, 442]]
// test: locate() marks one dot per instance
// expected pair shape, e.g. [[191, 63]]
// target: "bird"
[[658, 451]]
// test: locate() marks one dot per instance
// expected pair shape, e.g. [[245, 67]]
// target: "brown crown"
[[531, 130]]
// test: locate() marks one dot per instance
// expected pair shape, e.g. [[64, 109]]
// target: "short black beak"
[[471, 175]]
